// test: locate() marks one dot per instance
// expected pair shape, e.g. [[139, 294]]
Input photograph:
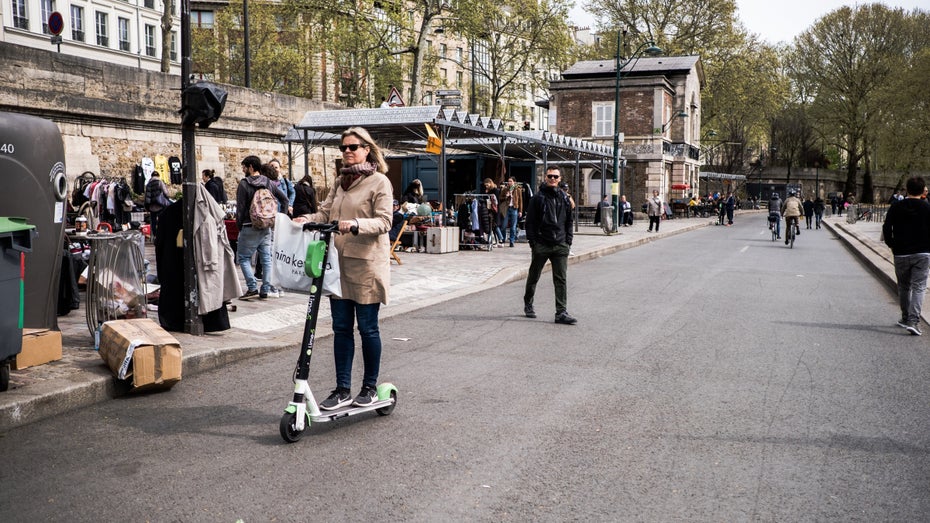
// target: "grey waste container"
[[32, 174], [852, 212], [15, 242]]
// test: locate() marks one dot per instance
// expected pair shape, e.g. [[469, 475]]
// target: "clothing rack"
[[469, 237]]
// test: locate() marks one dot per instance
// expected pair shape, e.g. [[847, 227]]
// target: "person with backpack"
[[257, 202], [362, 197]]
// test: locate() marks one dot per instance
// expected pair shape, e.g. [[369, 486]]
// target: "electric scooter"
[[303, 409]]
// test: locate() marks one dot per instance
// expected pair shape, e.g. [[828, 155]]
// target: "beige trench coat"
[[364, 260], [217, 278]]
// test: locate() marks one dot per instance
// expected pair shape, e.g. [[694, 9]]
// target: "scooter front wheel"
[[288, 430]]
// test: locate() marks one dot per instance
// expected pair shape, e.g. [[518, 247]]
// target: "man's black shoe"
[[565, 319], [528, 311]]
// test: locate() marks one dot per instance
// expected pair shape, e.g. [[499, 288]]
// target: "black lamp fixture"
[[679, 114]]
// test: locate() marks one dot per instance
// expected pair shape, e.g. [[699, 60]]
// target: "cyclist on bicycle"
[[774, 214], [792, 210]]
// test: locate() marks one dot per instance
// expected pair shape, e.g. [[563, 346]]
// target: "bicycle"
[[792, 224], [773, 225]]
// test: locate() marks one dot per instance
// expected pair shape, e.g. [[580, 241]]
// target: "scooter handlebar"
[[328, 227]]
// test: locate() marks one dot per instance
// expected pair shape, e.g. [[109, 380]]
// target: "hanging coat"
[[217, 278]]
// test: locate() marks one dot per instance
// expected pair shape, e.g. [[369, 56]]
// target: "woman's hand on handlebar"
[[346, 226], [299, 219]]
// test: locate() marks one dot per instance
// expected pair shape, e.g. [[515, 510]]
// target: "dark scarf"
[[354, 172]]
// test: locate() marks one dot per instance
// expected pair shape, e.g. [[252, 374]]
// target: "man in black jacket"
[[549, 233], [907, 231]]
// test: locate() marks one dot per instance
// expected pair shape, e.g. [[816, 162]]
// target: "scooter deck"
[[333, 415]]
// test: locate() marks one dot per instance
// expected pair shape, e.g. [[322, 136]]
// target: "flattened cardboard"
[[141, 349], [40, 346]]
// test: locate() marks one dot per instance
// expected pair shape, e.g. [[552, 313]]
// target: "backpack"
[[263, 209]]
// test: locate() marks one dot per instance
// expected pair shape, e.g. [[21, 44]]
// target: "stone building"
[[122, 32], [660, 121]]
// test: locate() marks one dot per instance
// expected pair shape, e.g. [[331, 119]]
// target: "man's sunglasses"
[[553, 176], [352, 147]]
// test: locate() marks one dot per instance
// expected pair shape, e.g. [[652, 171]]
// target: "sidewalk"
[[80, 378]]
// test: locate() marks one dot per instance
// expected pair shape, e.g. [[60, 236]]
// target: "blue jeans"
[[512, 218], [911, 271], [344, 314], [251, 240]]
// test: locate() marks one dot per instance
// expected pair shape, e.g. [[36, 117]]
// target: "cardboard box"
[[39, 346], [140, 349]]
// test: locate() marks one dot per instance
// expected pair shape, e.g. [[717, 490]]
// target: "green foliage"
[[840, 66], [515, 42]]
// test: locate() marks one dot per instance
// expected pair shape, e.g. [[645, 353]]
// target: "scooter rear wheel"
[[288, 432], [386, 411]]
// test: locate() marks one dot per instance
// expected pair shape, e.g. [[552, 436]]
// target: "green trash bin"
[[15, 242]]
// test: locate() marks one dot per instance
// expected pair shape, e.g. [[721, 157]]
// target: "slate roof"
[[644, 65]]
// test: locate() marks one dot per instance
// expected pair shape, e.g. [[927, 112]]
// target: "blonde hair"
[[374, 152]]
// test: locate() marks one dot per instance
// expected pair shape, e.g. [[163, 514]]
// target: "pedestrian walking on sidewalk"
[[819, 207], [730, 206], [808, 211], [253, 239], [361, 197], [654, 210], [907, 232], [549, 233]]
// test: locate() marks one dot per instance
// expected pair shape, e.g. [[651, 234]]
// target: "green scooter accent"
[[313, 263]]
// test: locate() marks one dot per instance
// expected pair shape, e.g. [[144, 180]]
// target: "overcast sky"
[[781, 20]]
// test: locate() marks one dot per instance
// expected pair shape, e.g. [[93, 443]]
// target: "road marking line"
[[744, 249]]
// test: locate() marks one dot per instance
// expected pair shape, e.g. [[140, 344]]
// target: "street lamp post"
[[647, 48]]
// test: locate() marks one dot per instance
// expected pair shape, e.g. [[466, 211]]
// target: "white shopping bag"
[[288, 253]]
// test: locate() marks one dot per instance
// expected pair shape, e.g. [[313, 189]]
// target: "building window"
[[442, 50], [459, 53], [47, 7], [443, 75], [428, 98], [202, 19], [458, 79], [20, 19], [123, 27], [149, 40], [602, 116], [174, 46], [77, 23], [149, 4], [103, 39]]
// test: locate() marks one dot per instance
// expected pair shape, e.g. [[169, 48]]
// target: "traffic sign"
[[394, 99], [55, 23]]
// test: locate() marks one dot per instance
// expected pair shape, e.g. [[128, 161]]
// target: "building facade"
[[121, 32], [660, 122]]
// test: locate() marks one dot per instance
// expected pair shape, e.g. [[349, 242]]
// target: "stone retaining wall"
[[112, 116]]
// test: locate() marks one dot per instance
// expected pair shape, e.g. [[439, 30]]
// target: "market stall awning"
[[403, 129], [721, 176]]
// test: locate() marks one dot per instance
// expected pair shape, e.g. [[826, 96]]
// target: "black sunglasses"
[[553, 176], [352, 147]]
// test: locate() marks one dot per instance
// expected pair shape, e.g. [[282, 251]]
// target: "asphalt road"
[[713, 376]]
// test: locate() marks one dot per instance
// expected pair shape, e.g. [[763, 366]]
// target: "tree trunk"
[[419, 57], [166, 36]]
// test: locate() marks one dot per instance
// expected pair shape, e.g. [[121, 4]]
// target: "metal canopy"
[[721, 176], [402, 129]]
